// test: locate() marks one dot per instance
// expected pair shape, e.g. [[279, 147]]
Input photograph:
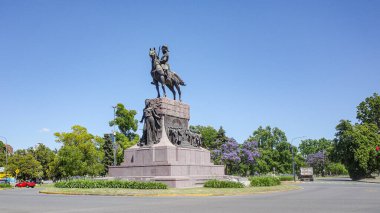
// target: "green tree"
[[268, 137], [209, 136], [125, 121], [29, 167], [80, 154], [368, 111], [2, 154], [312, 146], [108, 151], [127, 125], [44, 155], [355, 147]]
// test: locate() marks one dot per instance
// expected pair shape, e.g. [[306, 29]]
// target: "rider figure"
[[164, 59], [165, 65]]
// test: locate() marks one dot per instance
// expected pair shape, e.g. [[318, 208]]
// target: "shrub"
[[336, 169], [265, 181], [286, 178], [222, 184], [5, 185], [90, 184]]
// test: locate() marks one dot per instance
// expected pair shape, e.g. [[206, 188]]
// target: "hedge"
[[5, 185], [265, 181], [89, 184], [286, 178], [222, 184]]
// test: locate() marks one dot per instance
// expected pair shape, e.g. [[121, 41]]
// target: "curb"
[[167, 195]]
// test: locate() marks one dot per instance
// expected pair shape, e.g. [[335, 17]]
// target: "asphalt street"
[[338, 195]]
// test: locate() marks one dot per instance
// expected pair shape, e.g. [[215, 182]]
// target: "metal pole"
[[114, 136]]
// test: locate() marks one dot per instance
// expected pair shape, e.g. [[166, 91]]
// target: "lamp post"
[[293, 164], [114, 136], [6, 155]]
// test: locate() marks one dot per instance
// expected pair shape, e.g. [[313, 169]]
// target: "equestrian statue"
[[162, 74]]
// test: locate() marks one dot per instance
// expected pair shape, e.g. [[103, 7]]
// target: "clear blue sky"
[[297, 65]]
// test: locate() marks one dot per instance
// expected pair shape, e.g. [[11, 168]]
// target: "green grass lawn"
[[50, 189]]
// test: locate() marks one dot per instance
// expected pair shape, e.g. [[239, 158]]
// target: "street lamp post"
[[114, 136], [293, 163]]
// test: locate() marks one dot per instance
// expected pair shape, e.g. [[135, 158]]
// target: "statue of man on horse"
[[161, 73]]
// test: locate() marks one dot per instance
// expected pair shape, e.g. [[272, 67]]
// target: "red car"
[[26, 184]]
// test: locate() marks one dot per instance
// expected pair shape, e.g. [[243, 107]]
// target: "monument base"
[[177, 167]]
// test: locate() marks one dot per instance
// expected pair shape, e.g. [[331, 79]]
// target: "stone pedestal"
[[176, 164]]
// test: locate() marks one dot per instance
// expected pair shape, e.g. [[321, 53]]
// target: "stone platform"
[[171, 163]]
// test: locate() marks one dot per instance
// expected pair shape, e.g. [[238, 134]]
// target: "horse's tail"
[[178, 79]]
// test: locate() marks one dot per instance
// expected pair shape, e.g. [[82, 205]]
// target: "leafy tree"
[[80, 154], [127, 125], [355, 147], [268, 137], [44, 155], [318, 162], [108, 150], [336, 169], [312, 146], [266, 162], [209, 136], [125, 121], [221, 137], [29, 167], [249, 153], [285, 157], [274, 150], [230, 155], [368, 111], [2, 154]]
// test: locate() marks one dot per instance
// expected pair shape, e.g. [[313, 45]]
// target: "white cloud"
[[45, 130]]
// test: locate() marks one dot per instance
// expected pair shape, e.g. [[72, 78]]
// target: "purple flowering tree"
[[317, 161], [248, 154], [230, 155]]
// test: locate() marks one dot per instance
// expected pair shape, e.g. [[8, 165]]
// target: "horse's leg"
[[158, 89], [162, 81], [179, 91], [172, 89]]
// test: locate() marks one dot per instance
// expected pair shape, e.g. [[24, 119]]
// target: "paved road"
[[320, 196]]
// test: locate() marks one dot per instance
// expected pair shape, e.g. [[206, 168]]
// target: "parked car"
[[26, 184]]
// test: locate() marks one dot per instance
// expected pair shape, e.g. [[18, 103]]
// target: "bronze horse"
[[170, 79]]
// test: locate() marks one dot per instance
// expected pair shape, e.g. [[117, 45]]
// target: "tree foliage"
[[2, 154], [355, 147], [368, 111], [125, 121], [108, 150], [209, 136], [44, 155], [312, 146], [80, 154], [28, 166], [318, 162], [268, 137]]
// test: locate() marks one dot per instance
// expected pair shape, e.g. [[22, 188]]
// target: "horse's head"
[[152, 53]]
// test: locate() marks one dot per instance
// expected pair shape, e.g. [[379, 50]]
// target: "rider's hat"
[[165, 46]]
